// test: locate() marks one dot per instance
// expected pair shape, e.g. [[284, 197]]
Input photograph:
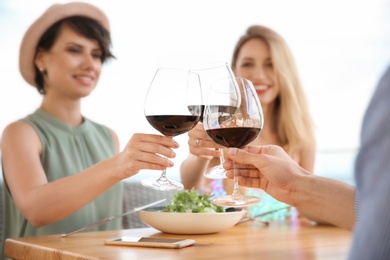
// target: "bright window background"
[[341, 49]]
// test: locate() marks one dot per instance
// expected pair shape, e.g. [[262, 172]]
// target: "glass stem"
[[221, 158], [236, 191], [163, 176]]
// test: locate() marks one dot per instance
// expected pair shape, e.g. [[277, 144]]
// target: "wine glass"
[[209, 73], [233, 117], [171, 93]]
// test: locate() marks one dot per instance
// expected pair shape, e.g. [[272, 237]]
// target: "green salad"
[[189, 201]]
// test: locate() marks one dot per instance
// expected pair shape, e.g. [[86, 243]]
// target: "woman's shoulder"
[[18, 127], [19, 133]]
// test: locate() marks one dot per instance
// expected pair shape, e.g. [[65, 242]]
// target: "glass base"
[[236, 200], [217, 172], [162, 184]]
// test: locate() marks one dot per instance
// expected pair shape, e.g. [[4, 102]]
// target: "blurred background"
[[341, 48]]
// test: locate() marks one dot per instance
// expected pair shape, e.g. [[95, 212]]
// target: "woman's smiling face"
[[254, 62], [73, 65]]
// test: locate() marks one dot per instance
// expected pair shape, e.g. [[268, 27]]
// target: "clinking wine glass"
[[233, 117], [171, 93], [209, 73]]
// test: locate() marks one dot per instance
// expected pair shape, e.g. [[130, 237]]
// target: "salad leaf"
[[189, 201]]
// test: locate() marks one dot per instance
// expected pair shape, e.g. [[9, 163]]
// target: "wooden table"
[[293, 239]]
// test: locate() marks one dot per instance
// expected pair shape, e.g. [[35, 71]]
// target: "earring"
[[42, 70]]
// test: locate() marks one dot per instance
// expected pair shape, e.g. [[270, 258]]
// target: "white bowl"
[[190, 223]]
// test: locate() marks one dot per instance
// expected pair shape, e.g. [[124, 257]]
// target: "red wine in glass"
[[173, 125], [234, 136]]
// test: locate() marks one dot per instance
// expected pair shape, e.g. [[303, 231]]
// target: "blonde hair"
[[292, 121]]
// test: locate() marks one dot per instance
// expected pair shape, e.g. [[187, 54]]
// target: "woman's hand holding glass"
[[201, 145], [140, 153]]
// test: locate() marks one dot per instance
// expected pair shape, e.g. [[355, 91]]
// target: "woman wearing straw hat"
[[62, 170]]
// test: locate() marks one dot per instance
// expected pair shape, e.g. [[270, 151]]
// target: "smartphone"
[[150, 242]]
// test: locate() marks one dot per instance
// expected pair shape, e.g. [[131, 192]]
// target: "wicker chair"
[[135, 195]]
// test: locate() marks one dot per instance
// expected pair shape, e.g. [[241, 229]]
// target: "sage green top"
[[67, 150]]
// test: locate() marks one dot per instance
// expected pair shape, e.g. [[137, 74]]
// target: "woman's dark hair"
[[87, 27]]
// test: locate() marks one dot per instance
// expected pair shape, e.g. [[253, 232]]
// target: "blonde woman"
[[262, 56]]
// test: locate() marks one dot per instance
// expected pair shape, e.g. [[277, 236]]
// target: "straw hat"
[[52, 15]]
